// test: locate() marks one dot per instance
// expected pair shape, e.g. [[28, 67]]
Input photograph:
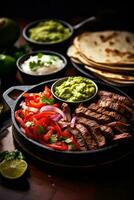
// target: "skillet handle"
[[10, 101], [90, 19]]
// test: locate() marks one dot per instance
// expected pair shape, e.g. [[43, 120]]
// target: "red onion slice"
[[72, 123], [54, 109], [56, 118]]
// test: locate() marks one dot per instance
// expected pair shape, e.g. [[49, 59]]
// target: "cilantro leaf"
[[41, 129], [47, 101], [40, 55]]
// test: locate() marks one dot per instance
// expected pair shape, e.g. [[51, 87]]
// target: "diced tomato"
[[43, 114], [62, 147], [47, 92], [47, 136], [31, 95], [66, 134], [57, 128], [34, 104]]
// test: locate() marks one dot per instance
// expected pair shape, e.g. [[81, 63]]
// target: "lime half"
[[13, 169]]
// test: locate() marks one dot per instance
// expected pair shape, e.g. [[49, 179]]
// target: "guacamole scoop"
[[74, 89], [50, 31]]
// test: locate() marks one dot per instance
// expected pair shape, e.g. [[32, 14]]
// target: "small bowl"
[[34, 79], [60, 81], [48, 45]]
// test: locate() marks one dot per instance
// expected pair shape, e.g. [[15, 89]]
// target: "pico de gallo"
[[38, 118]]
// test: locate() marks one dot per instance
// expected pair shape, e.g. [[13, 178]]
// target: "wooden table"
[[113, 182]]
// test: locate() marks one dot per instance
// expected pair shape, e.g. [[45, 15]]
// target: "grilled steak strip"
[[117, 97], [122, 136], [94, 129], [107, 131], [85, 112], [79, 138], [119, 107], [112, 114], [63, 124], [116, 106], [89, 139], [120, 127]]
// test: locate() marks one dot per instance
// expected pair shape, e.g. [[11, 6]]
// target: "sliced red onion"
[[32, 109], [54, 109], [72, 123], [56, 118]]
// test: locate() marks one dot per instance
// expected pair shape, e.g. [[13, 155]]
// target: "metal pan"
[[69, 160]]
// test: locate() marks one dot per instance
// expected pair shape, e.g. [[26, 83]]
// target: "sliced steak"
[[122, 136], [107, 132], [120, 127], [112, 114], [116, 106], [85, 112], [117, 97], [89, 139], [94, 129], [63, 124], [79, 138]]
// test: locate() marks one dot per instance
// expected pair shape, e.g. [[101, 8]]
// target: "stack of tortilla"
[[107, 54]]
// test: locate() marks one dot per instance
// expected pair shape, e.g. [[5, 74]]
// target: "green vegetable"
[[9, 32], [68, 140], [75, 89], [11, 155], [71, 147], [12, 164], [47, 101], [49, 31], [40, 55], [53, 139], [35, 65], [7, 65], [41, 129]]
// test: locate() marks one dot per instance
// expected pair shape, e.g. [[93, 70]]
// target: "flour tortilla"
[[109, 75], [117, 83], [107, 47], [79, 58]]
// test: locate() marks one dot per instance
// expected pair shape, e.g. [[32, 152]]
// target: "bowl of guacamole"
[[75, 89], [47, 32]]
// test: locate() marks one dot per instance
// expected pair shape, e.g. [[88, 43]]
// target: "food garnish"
[[12, 164], [41, 64]]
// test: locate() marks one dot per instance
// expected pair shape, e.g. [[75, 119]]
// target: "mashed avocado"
[[49, 31], [75, 89]]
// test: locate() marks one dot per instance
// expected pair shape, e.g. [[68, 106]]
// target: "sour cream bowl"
[[41, 65]]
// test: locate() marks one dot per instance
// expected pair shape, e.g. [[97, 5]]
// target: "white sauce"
[[48, 64]]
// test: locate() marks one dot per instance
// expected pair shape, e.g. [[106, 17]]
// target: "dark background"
[[64, 9]]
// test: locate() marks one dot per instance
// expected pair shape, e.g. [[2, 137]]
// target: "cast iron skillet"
[[76, 160]]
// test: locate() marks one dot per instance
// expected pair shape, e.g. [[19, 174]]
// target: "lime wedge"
[[13, 169]]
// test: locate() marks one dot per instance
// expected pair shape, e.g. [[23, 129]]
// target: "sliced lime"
[[13, 169]]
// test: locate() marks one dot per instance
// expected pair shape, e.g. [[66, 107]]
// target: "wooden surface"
[[114, 182]]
